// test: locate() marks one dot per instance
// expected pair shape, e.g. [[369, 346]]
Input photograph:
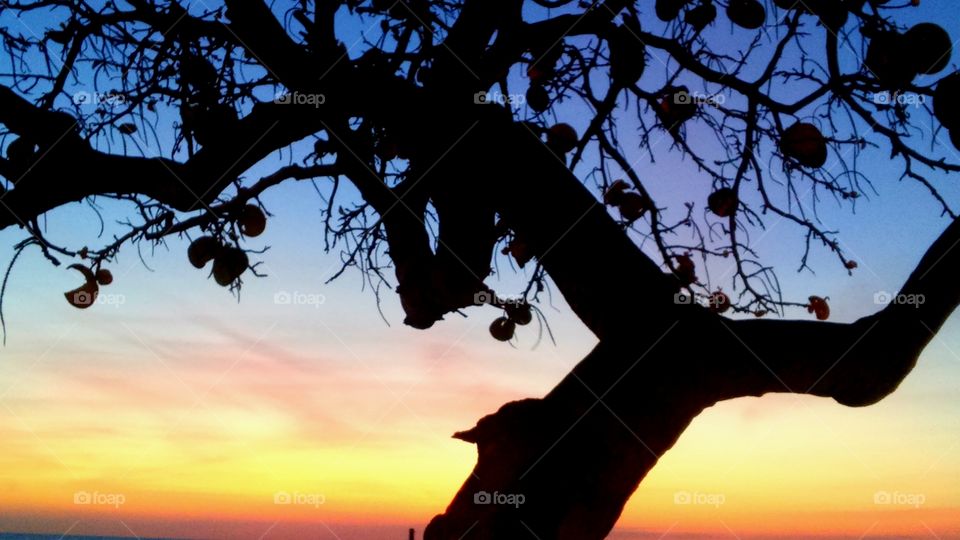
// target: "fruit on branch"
[[804, 143], [520, 313], [519, 250], [719, 302], [685, 270], [701, 16], [888, 60], [747, 14], [502, 329], [946, 101], [252, 220], [929, 47], [562, 138], [85, 295], [203, 250], [633, 205], [21, 151], [819, 307], [675, 108], [127, 128], [627, 54], [850, 265], [668, 10], [229, 263], [104, 276], [614, 194], [789, 4], [538, 98], [832, 13], [544, 64], [723, 202]]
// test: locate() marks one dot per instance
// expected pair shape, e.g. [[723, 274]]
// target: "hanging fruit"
[[538, 98], [502, 329], [701, 16], [685, 270], [203, 250], [723, 202], [888, 60], [946, 106], [719, 302], [85, 295], [633, 205], [252, 220], [520, 313], [104, 276], [850, 265], [929, 47], [675, 108], [519, 250], [229, 264], [832, 13], [804, 143], [627, 53], [614, 194], [562, 138], [668, 10], [819, 307], [747, 14]]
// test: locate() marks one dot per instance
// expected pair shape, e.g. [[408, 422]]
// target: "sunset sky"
[[176, 411]]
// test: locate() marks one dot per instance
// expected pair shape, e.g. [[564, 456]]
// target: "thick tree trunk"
[[574, 457]]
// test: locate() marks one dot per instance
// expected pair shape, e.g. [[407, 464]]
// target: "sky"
[[171, 409]]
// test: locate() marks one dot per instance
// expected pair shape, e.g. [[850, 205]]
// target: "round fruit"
[[20, 150], [252, 220], [929, 47], [946, 105], [819, 307], [747, 14], [538, 98], [850, 265], [627, 57], [719, 302], [104, 276], [203, 250], [701, 16], [723, 202], [685, 271], [676, 108], [229, 264], [633, 205], [614, 193], [502, 329], [888, 60], [804, 143], [520, 314], [668, 10], [562, 137], [85, 295], [832, 14]]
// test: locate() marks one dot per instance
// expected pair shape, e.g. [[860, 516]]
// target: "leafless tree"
[[161, 108]]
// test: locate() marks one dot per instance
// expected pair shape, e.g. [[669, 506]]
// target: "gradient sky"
[[195, 411]]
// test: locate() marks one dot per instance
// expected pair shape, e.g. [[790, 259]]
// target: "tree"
[[165, 107]]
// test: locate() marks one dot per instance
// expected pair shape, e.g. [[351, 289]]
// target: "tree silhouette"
[[450, 120]]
